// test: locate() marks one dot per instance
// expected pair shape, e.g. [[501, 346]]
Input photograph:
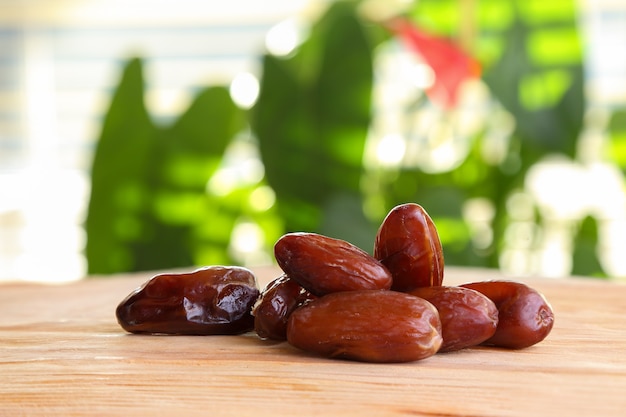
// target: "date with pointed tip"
[[207, 301], [324, 265], [367, 325], [278, 300], [524, 315], [468, 318], [408, 244]]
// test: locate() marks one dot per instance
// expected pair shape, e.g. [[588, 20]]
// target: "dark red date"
[[367, 325], [468, 318], [212, 300], [524, 315], [278, 300], [324, 265], [408, 244]]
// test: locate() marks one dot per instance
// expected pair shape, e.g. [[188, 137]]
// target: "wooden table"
[[62, 353]]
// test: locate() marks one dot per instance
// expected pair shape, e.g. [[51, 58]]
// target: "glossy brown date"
[[468, 318], [212, 300], [278, 300], [524, 315], [408, 244], [324, 265], [367, 325]]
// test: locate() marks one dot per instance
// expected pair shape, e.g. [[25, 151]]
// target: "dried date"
[[211, 300], [278, 300], [524, 315], [324, 265], [468, 317], [367, 325], [408, 244]]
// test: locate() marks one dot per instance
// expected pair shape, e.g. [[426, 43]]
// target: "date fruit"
[[408, 244], [468, 318], [367, 325], [278, 300], [524, 315], [324, 265], [207, 301]]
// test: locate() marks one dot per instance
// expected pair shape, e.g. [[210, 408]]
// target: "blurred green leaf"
[[120, 188], [148, 193], [617, 135], [548, 105], [584, 256], [312, 129]]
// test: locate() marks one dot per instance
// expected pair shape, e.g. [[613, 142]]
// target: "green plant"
[[311, 120], [151, 208], [148, 207]]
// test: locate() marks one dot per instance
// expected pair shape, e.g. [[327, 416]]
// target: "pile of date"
[[337, 301]]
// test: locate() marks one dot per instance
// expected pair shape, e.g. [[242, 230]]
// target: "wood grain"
[[63, 354]]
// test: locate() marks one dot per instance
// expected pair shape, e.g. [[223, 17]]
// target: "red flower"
[[451, 65]]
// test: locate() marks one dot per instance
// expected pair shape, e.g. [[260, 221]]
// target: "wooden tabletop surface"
[[62, 353]]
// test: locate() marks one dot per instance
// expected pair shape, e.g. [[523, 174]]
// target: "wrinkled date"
[[468, 317], [324, 265], [408, 244], [524, 315], [367, 325], [278, 300], [212, 300]]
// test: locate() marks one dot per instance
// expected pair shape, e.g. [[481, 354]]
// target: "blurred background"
[[141, 135]]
